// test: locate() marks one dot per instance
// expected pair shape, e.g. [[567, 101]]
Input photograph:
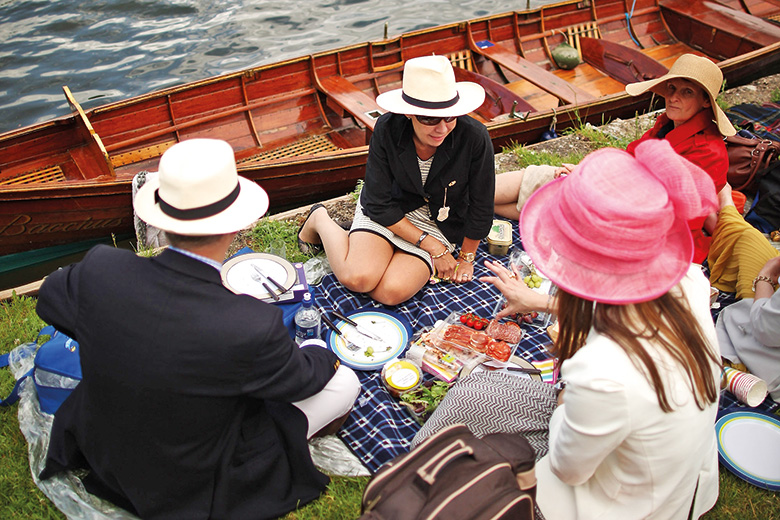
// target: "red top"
[[699, 141]]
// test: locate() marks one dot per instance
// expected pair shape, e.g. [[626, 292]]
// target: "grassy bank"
[[21, 499]]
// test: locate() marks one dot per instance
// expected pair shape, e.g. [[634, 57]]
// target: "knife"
[[337, 332], [267, 287], [360, 328]]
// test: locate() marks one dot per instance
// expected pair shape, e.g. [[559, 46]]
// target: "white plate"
[[392, 328], [239, 274], [749, 446]]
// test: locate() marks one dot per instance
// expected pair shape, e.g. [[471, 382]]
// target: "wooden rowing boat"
[[300, 127]]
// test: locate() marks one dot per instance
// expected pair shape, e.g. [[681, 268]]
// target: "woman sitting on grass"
[[429, 186]]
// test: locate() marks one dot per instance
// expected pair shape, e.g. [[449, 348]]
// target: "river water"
[[108, 50]]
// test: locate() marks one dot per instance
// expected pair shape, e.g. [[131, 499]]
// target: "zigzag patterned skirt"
[[492, 402]]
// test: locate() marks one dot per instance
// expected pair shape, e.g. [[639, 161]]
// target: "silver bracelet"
[[419, 240]]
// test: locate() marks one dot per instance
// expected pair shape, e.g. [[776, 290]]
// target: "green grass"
[[593, 138], [21, 499], [775, 96]]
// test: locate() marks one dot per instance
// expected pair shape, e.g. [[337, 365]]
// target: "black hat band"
[[429, 104], [197, 213]]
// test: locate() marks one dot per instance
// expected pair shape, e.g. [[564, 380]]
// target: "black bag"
[[749, 158], [767, 203], [453, 475]]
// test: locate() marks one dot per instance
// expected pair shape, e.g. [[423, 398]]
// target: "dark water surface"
[[108, 50]]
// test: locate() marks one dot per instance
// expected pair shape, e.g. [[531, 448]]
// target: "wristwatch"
[[468, 257]]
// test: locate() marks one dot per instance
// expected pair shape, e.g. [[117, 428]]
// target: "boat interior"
[[323, 104]]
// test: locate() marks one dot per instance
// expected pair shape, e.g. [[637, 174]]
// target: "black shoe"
[[306, 247], [345, 225]]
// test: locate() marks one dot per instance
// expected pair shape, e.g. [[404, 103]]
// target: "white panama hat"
[[429, 89], [199, 192]]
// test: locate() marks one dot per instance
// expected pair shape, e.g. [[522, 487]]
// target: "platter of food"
[[356, 347]]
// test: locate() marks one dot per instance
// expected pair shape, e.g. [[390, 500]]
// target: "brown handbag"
[[749, 159], [453, 475]]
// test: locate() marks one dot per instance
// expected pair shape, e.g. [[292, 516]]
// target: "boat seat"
[[353, 100], [42, 176], [141, 154], [532, 73], [312, 145], [498, 98]]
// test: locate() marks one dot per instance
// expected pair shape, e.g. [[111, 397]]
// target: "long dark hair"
[[667, 322]]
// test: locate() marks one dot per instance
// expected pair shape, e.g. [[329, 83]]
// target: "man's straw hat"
[[198, 191]]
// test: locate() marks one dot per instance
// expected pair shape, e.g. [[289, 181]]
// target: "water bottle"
[[307, 320]]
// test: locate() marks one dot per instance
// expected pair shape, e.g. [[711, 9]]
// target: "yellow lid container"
[[401, 376], [500, 238]]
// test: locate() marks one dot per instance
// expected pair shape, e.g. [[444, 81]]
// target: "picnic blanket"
[[761, 120], [379, 428]]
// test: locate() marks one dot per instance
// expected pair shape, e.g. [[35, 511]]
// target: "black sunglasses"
[[433, 121]]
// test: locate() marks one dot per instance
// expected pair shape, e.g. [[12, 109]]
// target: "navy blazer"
[[463, 166], [184, 408]]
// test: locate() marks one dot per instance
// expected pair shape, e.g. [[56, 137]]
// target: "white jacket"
[[613, 452]]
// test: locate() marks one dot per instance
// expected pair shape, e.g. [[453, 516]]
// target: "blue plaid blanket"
[[379, 428], [762, 120]]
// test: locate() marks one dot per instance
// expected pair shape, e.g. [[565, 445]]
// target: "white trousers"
[[333, 401]]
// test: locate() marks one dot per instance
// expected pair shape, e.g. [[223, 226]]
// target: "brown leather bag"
[[749, 159], [453, 475]]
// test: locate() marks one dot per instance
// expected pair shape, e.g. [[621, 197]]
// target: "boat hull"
[[300, 128]]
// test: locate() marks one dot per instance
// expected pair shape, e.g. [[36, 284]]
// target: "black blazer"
[[463, 164], [183, 410]]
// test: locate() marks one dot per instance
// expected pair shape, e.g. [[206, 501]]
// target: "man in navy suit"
[[195, 402]]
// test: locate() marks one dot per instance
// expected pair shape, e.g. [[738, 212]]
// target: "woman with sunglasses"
[[428, 189]]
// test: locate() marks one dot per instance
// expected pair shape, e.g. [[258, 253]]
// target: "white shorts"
[[333, 401]]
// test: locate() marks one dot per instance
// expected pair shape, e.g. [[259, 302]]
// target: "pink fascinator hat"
[[616, 229]]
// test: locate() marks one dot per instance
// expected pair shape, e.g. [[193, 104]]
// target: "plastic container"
[[307, 320], [500, 238], [400, 376]]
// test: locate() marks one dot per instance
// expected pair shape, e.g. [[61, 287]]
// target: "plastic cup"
[[747, 388]]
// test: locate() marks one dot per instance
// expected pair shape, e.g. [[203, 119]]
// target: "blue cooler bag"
[[56, 371]]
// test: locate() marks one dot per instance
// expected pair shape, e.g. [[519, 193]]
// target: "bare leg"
[[366, 263], [405, 275], [507, 191]]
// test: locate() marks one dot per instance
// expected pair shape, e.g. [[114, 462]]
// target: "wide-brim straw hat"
[[199, 192], [701, 71], [429, 89], [616, 229]]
